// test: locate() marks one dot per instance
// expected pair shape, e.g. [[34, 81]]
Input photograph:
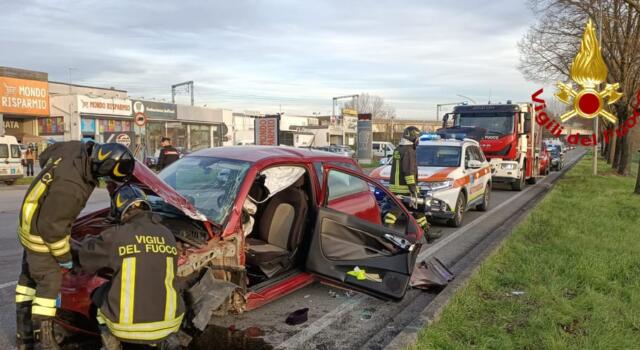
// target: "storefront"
[[158, 116], [200, 127], [24, 97], [104, 119]]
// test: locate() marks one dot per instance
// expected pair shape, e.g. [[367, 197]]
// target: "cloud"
[[251, 54]]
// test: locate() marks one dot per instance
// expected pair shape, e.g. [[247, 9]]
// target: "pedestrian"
[[141, 303], [70, 172], [168, 154], [30, 156], [404, 175]]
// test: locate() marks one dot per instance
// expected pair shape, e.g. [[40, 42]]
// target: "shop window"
[[177, 132], [50, 126], [200, 137], [155, 132]]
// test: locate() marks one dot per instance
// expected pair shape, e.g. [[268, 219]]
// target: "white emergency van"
[[10, 160]]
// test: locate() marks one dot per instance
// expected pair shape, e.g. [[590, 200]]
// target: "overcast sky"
[[260, 55]]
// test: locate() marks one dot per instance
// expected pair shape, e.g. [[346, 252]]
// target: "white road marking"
[[298, 340], [8, 284]]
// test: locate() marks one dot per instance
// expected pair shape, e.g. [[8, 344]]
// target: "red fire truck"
[[512, 141]]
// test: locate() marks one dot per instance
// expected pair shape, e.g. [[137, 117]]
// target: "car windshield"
[[210, 184], [438, 156], [494, 123]]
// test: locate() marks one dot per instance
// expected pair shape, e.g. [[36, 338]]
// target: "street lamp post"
[[468, 98]]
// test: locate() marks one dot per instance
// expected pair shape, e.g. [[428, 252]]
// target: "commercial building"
[[24, 99]]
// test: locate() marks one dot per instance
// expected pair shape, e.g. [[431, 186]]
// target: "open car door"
[[352, 243]]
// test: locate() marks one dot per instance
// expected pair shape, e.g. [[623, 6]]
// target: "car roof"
[[447, 142], [260, 153]]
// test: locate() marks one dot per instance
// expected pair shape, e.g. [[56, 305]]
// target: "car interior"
[[275, 216]]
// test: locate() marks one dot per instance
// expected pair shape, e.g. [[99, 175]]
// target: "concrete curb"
[[409, 335]]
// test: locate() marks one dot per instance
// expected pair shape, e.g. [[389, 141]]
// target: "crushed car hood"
[[146, 178], [424, 173]]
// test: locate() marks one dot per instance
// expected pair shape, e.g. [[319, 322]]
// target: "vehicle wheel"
[[461, 203], [484, 206], [519, 185], [532, 180], [10, 182]]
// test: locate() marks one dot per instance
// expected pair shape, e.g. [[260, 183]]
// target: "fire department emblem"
[[588, 70]]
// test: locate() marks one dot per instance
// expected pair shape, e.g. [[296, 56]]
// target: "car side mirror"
[[474, 164]]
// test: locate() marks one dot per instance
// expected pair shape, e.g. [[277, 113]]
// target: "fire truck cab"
[[512, 141]]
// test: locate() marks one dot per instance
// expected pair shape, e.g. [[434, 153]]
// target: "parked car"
[[11, 168], [453, 174], [545, 161], [244, 217], [382, 149]]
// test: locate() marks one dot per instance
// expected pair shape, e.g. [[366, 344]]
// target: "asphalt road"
[[337, 319]]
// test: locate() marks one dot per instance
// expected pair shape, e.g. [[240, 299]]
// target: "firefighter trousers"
[[39, 284], [392, 216]]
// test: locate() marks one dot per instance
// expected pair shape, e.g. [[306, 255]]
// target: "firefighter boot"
[[109, 341], [24, 326], [45, 336]]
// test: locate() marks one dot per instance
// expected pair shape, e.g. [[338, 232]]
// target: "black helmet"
[[126, 197], [411, 133], [113, 160]]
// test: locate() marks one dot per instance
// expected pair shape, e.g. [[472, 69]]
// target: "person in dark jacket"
[[141, 303], [168, 154], [70, 172], [404, 176]]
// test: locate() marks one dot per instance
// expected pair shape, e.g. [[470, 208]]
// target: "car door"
[[357, 248], [476, 185]]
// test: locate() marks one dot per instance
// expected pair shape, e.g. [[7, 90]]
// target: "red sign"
[[140, 119], [123, 139], [267, 130]]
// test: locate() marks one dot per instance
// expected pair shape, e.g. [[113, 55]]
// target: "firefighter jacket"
[[404, 169], [168, 155], [55, 198], [141, 303]]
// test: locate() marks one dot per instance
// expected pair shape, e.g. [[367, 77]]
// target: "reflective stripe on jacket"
[[54, 200], [404, 170], [143, 303]]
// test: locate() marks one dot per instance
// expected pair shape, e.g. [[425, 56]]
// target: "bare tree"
[[548, 48], [373, 104], [634, 4]]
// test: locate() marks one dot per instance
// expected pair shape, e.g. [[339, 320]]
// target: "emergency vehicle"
[[10, 160], [453, 176], [512, 141]]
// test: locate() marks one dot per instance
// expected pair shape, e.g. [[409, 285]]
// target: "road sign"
[[140, 119]]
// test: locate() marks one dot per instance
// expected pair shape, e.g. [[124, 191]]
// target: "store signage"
[[123, 139], [104, 106], [24, 97], [155, 110], [267, 130], [365, 137], [11, 124]]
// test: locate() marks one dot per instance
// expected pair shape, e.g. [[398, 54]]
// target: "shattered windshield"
[[210, 184], [495, 123]]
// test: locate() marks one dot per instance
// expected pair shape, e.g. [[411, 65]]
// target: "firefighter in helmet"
[[141, 303], [404, 175], [70, 172]]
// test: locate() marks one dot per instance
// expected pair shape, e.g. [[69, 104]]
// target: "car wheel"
[[532, 180], [461, 203], [484, 206], [519, 185]]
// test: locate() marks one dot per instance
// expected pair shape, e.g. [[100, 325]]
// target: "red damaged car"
[[254, 224]]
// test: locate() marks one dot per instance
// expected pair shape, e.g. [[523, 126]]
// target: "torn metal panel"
[[431, 273], [211, 296]]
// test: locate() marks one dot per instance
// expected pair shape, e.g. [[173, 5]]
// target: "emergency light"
[[429, 137]]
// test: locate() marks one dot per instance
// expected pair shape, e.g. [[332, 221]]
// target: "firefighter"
[[404, 174], [141, 303], [70, 172], [168, 154]]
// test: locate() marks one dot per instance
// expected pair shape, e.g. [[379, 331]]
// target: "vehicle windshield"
[[210, 184], [555, 152], [438, 156], [495, 123]]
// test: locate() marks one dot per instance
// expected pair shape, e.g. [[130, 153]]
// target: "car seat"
[[280, 229]]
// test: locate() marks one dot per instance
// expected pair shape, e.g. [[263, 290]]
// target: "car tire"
[[461, 203], [484, 206], [532, 180], [519, 185]]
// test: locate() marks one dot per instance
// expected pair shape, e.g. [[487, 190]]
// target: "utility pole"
[[188, 84]]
